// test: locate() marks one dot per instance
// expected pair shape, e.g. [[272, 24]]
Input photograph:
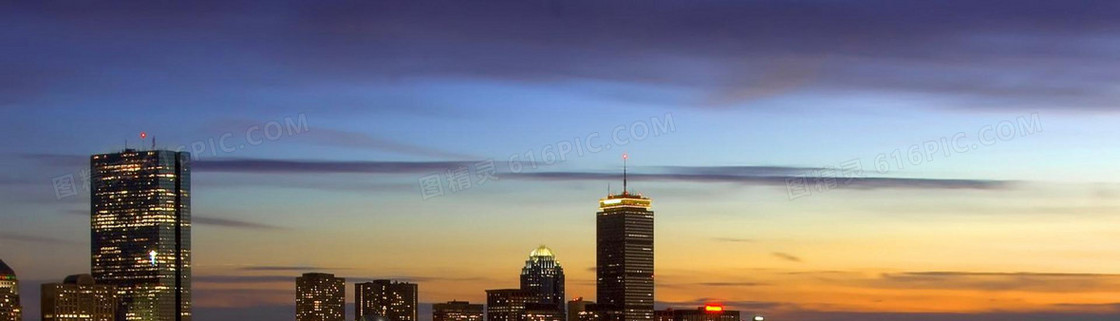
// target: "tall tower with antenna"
[[624, 255]]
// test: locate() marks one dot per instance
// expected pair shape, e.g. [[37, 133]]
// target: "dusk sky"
[[807, 160]]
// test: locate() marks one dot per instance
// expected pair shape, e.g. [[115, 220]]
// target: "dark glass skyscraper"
[[386, 300], [320, 297], [141, 231], [10, 309], [624, 257], [544, 278]]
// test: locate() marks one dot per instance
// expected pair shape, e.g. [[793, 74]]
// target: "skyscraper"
[[10, 309], [395, 301], [78, 298], [320, 297], [544, 278], [457, 311], [140, 204], [624, 256]]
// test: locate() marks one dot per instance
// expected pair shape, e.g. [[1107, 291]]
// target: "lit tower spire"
[[624, 255], [624, 158]]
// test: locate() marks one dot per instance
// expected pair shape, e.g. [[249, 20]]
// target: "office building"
[[10, 309], [624, 257], [457, 311], [78, 298], [507, 304], [320, 297], [395, 301], [544, 278], [140, 204]]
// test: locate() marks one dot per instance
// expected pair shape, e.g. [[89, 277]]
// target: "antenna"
[[624, 158]]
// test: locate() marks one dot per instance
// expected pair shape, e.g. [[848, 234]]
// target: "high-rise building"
[[10, 309], [457, 311], [78, 298], [508, 304], [320, 297], [544, 277], [386, 300], [140, 204], [624, 256], [710, 312]]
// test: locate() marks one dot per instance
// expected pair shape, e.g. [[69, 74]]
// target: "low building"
[[457, 311], [78, 298], [710, 312]]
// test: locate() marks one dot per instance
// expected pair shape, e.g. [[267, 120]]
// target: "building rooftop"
[[6, 270], [541, 251]]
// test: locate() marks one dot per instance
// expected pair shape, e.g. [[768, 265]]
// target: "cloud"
[[204, 220], [991, 54], [781, 176], [982, 281], [733, 240], [733, 284], [866, 183], [225, 222], [33, 239], [786, 257], [347, 139], [292, 268], [318, 167]]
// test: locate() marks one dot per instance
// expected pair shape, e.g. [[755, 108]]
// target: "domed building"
[[543, 277], [9, 294]]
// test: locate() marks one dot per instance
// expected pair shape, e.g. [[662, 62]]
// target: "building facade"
[[140, 204], [392, 300], [457, 311], [320, 297], [624, 258], [709, 312], [78, 298], [544, 278], [507, 304], [10, 309]]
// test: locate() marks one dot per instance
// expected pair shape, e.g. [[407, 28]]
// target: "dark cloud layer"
[[311, 166], [989, 54], [16, 237]]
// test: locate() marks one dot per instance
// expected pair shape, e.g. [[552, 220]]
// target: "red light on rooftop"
[[711, 307]]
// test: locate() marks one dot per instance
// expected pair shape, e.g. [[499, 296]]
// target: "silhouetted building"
[[578, 310], [320, 297], [457, 311], [544, 278], [711, 312], [395, 301], [140, 204], [78, 298], [624, 257], [10, 309], [507, 304]]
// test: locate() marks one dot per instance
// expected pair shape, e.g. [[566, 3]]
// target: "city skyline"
[[812, 160]]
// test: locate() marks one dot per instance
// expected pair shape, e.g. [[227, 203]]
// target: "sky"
[[807, 160]]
